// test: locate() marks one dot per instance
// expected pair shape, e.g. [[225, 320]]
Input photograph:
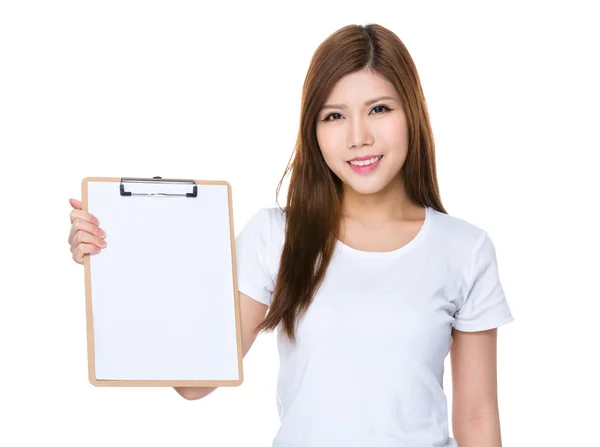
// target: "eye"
[[381, 107], [377, 109], [330, 115]]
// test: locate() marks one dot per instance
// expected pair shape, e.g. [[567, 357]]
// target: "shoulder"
[[270, 220], [266, 225], [276, 216], [466, 249], [460, 241], [456, 230]]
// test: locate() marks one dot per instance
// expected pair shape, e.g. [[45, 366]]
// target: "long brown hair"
[[314, 199]]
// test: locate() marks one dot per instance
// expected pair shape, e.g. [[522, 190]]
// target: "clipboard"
[[162, 303]]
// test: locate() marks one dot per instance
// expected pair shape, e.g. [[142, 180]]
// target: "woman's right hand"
[[86, 237]]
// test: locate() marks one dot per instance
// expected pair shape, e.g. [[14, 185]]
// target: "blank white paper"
[[162, 288]]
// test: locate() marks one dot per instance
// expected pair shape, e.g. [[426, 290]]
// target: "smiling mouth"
[[365, 162], [369, 167]]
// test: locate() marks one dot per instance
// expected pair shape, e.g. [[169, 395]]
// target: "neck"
[[389, 204]]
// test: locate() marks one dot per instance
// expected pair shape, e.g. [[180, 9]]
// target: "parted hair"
[[314, 200]]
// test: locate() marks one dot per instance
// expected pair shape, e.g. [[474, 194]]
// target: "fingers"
[[85, 243], [86, 227], [75, 204], [85, 236], [83, 215], [78, 212], [84, 249]]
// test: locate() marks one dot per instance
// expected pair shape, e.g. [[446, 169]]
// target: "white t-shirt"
[[369, 362]]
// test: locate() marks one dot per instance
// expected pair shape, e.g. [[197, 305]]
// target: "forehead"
[[360, 86]]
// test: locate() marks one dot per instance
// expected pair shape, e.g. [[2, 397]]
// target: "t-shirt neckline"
[[399, 251]]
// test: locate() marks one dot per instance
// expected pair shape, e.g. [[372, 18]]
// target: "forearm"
[[477, 431], [194, 393]]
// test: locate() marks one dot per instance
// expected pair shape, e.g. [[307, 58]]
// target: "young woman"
[[368, 279]]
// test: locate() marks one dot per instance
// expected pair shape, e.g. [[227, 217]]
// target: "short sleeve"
[[253, 248], [485, 305]]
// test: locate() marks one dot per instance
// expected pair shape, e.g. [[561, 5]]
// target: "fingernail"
[[102, 232]]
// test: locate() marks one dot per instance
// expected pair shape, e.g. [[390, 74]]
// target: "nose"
[[359, 133]]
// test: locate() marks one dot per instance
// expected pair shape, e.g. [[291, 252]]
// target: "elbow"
[[483, 429], [185, 393], [193, 393], [190, 396]]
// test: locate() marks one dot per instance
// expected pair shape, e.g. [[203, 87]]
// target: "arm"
[[252, 313], [475, 415]]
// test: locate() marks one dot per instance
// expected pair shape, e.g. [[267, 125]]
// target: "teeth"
[[366, 162]]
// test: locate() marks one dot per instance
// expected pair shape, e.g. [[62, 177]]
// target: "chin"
[[365, 188]]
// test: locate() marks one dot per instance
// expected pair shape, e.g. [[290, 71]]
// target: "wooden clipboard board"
[[204, 347]]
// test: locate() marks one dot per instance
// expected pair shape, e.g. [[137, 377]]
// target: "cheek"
[[327, 143], [395, 135]]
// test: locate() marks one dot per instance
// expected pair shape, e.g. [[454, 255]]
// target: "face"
[[357, 122]]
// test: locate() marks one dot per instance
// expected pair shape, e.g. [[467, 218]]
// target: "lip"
[[366, 157], [365, 169]]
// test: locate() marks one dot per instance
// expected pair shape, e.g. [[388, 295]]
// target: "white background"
[[176, 89]]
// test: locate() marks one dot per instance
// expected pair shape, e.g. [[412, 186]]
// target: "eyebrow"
[[368, 103]]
